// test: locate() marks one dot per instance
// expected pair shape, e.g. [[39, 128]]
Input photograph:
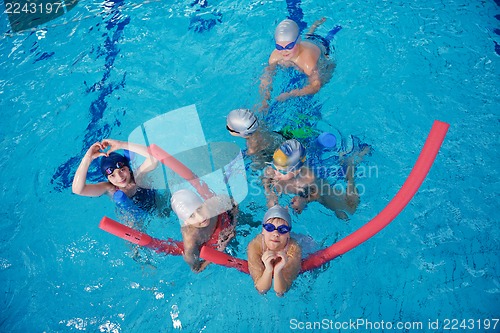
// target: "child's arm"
[[261, 274], [148, 165], [191, 253], [80, 185], [265, 87], [286, 272], [313, 87], [267, 179]]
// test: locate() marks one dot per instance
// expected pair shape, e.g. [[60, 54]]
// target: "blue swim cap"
[[111, 162], [290, 156]]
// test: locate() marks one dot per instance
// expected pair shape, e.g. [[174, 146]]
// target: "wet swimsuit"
[[145, 199], [317, 39], [224, 221]]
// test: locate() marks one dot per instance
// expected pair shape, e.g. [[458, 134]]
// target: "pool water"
[[103, 69]]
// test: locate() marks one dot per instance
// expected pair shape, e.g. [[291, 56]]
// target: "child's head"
[[287, 37], [288, 159], [116, 168], [189, 208], [286, 31], [241, 122], [276, 228]]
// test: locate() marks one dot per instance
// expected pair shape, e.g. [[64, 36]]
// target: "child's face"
[[278, 175], [274, 240], [200, 218], [288, 54], [120, 177]]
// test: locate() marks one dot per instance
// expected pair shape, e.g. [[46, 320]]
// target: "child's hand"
[[268, 258], [203, 264], [272, 200], [280, 262], [95, 151], [269, 172], [298, 204], [111, 145]]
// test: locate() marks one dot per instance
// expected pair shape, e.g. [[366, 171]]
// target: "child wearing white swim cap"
[[260, 141], [198, 221], [291, 51]]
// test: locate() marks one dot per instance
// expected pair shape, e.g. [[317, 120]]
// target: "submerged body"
[[288, 175]]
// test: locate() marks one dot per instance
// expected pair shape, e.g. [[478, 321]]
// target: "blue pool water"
[[103, 69]]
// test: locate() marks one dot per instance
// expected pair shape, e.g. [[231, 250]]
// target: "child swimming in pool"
[[261, 142], [273, 255], [199, 221], [288, 175], [116, 168], [305, 56]]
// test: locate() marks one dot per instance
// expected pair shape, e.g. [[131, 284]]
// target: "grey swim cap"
[[185, 203], [286, 31], [242, 122], [277, 211], [290, 156]]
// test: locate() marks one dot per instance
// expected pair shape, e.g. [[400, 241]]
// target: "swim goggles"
[[287, 47], [249, 127], [282, 229], [283, 172], [289, 169], [232, 130], [109, 171]]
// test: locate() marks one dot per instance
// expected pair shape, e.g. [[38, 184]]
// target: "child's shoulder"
[[293, 247], [255, 244]]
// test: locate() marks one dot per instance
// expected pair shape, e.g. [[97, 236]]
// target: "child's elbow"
[[262, 291], [76, 190]]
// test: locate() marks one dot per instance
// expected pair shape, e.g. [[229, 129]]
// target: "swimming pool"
[[105, 68]]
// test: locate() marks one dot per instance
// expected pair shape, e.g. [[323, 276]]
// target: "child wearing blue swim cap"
[[260, 141], [116, 169], [287, 174]]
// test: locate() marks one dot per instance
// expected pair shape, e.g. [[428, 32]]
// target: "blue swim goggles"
[[282, 229], [287, 47]]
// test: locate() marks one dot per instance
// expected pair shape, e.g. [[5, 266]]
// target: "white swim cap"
[[286, 31], [277, 211], [185, 203], [242, 122]]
